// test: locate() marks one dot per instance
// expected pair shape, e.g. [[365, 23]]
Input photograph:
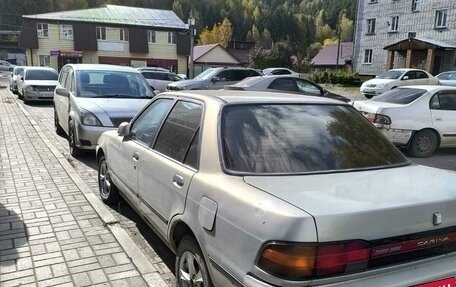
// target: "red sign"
[[449, 282]]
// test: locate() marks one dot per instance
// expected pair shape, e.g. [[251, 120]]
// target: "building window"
[[123, 35], [411, 34], [101, 33], [367, 56], [441, 18], [394, 24], [171, 38], [373, 1], [416, 5], [45, 60], [151, 36], [43, 30], [370, 26], [66, 32]]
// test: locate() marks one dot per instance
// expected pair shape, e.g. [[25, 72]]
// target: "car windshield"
[[112, 84], [400, 96], [391, 74], [43, 75], [206, 75], [302, 138]]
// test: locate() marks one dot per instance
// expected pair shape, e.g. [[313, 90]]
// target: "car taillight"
[[295, 261], [382, 119]]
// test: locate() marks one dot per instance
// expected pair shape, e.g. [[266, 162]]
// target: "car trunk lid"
[[371, 204]]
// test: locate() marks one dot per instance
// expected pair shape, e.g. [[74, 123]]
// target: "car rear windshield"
[[400, 96], [302, 138], [44, 75]]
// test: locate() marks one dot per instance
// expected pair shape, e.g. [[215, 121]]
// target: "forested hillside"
[[301, 23]]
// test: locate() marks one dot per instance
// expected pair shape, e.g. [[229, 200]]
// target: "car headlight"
[[28, 88], [89, 119]]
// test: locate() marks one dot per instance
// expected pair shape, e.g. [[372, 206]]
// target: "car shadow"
[[162, 250], [13, 235]]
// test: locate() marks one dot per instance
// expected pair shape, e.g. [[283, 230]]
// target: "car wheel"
[[423, 144], [191, 269], [74, 150], [368, 96], [108, 191], [58, 127]]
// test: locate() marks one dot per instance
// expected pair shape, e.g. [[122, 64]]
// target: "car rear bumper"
[[398, 137]]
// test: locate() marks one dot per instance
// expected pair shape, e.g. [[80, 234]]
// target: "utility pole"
[[338, 48], [191, 24]]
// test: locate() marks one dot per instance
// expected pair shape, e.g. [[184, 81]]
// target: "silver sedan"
[[259, 189]]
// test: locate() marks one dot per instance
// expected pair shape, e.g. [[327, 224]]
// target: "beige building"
[[110, 34], [213, 55]]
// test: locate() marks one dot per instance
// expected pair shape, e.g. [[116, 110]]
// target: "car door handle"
[[438, 118], [135, 156], [178, 180]]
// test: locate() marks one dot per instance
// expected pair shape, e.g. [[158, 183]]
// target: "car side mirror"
[[405, 77], [62, 92], [215, 79], [22, 78], [123, 129]]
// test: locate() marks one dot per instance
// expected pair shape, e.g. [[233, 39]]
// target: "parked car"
[[15, 77], [6, 66], [284, 83], [447, 78], [421, 118], [395, 78], [256, 189], [158, 79], [279, 71], [37, 84], [214, 78], [92, 98]]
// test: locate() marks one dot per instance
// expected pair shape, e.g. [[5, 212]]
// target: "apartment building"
[[110, 34], [405, 34]]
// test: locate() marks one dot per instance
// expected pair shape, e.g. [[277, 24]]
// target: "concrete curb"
[[139, 259]]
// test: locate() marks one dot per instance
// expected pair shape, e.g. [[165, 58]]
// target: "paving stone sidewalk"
[[51, 231]]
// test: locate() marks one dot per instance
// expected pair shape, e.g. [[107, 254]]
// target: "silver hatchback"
[[265, 189], [91, 99]]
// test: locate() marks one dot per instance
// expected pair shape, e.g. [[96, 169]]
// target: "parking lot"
[[86, 168]]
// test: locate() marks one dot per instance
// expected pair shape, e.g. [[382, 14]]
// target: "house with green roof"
[[110, 34]]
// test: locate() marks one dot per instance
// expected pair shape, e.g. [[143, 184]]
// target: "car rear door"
[[443, 112], [166, 171], [125, 157]]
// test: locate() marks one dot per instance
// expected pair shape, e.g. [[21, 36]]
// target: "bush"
[[337, 77]]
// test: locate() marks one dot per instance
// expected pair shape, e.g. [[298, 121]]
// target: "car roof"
[[102, 67], [430, 88], [233, 96], [39, 68]]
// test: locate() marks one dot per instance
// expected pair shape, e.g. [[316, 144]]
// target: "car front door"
[[166, 171], [408, 79], [59, 106], [126, 155], [443, 112]]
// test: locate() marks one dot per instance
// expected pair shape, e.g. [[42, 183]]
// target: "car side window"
[[444, 101], [225, 75], [146, 126], [283, 84], [191, 159], [69, 81], [410, 75], [63, 76], [178, 131], [421, 75], [308, 88]]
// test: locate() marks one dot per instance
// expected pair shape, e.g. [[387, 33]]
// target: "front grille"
[[117, 121], [44, 88]]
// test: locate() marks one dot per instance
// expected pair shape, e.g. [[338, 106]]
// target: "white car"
[[37, 84], [15, 78], [421, 118], [279, 71], [395, 78], [158, 78]]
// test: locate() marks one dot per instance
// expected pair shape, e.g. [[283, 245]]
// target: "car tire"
[[108, 191], [368, 96], [423, 144], [191, 269], [58, 128], [74, 150]]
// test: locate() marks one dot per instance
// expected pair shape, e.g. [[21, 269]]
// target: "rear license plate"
[[449, 282]]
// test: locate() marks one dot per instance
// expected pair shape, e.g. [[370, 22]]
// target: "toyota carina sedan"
[[93, 98], [264, 189]]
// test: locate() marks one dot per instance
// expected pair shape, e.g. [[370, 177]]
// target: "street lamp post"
[[191, 23]]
